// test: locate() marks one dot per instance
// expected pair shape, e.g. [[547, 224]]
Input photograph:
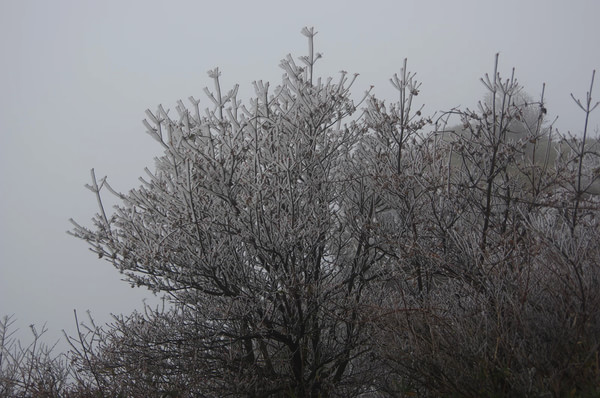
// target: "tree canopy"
[[311, 246]]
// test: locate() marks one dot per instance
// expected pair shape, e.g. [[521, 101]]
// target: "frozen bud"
[[214, 73], [308, 32]]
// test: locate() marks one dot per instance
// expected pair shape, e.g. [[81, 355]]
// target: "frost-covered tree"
[[496, 263], [257, 226], [32, 370]]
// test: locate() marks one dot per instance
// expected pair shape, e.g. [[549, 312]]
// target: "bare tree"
[[32, 370], [258, 233], [506, 308]]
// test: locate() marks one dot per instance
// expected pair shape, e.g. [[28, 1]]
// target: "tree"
[[259, 231], [31, 370], [492, 295]]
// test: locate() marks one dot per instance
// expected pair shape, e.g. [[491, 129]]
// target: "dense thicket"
[[309, 246]]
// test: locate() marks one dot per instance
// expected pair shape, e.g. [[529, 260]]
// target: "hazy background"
[[76, 77]]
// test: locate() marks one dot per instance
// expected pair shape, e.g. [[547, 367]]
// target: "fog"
[[76, 78]]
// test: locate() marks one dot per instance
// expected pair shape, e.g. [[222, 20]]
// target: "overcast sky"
[[76, 77]]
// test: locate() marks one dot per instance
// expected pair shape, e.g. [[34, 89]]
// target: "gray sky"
[[76, 77]]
